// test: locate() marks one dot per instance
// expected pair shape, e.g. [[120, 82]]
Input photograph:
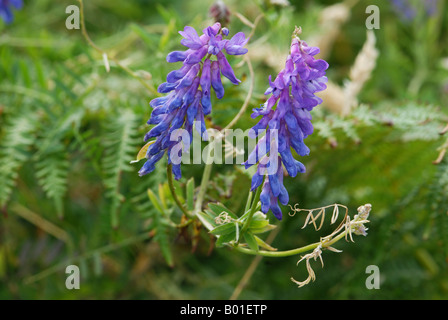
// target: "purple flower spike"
[[188, 92], [293, 93]]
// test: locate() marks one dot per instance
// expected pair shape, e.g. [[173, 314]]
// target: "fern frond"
[[51, 158], [438, 205], [120, 147], [52, 172], [14, 151], [409, 122]]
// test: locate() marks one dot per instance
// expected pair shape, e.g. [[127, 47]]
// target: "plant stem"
[[253, 266], [203, 187], [252, 210], [248, 202], [287, 253], [169, 173], [43, 224], [104, 53], [248, 97]]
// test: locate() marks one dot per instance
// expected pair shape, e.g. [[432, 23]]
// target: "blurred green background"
[[69, 129]]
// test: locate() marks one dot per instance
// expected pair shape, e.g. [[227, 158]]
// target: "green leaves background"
[[69, 131]]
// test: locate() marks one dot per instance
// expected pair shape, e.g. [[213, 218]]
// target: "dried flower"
[[361, 218], [356, 225]]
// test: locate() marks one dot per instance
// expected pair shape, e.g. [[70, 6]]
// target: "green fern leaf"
[[52, 172], [14, 151], [120, 147]]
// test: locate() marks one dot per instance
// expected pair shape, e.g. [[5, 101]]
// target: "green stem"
[[102, 52], [185, 224], [253, 266], [252, 210], [248, 202], [203, 187], [287, 253], [169, 173]]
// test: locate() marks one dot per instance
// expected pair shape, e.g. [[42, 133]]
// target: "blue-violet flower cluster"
[[6, 9], [407, 9], [188, 90], [293, 94]]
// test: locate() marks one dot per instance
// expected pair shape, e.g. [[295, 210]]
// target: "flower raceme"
[[5, 9], [293, 94], [188, 91]]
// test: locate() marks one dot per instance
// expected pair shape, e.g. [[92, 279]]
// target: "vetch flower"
[[287, 114], [407, 9], [188, 92], [6, 11]]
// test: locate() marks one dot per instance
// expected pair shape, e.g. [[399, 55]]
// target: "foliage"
[[69, 130]]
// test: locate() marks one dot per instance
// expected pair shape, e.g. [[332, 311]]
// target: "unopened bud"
[[220, 12]]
